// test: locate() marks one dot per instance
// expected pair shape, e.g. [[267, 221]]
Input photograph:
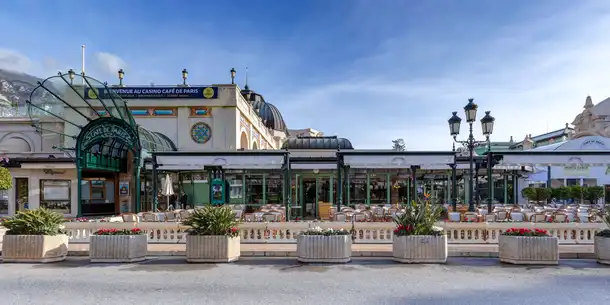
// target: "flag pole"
[[83, 62]]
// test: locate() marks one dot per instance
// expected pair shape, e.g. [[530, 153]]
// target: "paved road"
[[283, 281]]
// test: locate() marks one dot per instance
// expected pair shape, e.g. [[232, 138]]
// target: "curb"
[[354, 254]]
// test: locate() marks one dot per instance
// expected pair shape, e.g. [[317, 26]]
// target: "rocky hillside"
[[15, 87]]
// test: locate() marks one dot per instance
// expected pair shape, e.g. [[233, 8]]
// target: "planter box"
[[602, 249], [324, 249], [118, 248], [417, 249], [524, 250], [212, 249], [34, 248]]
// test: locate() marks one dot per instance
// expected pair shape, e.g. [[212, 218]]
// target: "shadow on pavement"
[[290, 264]]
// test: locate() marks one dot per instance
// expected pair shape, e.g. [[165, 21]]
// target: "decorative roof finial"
[[588, 102]]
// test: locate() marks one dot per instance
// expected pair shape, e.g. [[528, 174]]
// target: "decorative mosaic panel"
[[201, 132], [201, 111]]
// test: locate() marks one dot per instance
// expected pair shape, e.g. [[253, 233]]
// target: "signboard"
[[124, 188], [105, 131], [152, 92], [217, 189], [576, 168]]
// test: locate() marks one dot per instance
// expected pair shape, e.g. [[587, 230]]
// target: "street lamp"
[[233, 76], [185, 74], [487, 124], [121, 76], [71, 74]]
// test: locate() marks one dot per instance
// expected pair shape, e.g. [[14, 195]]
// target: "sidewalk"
[[358, 250]]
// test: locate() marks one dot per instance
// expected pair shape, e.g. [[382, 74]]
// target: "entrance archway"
[[108, 154], [93, 122]]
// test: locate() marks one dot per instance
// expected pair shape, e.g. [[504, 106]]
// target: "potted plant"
[[317, 245], [602, 241], [416, 238], [528, 247], [34, 236], [213, 236], [118, 246]]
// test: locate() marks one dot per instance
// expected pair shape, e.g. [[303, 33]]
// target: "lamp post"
[[487, 123], [233, 76], [71, 74], [185, 74], [121, 76]]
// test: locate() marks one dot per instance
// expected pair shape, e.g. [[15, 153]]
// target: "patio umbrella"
[[168, 188]]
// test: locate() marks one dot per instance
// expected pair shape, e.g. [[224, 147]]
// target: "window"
[[55, 195], [3, 202]]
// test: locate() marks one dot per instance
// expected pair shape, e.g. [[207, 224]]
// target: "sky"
[[369, 71]]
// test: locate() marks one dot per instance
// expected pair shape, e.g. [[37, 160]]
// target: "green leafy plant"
[[34, 222], [211, 220], [593, 193], [537, 194], [419, 219], [576, 192], [560, 193], [606, 219], [6, 179], [325, 232]]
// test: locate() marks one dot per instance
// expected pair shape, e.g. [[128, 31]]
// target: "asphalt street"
[[284, 281]]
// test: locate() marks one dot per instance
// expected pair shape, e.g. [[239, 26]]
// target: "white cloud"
[[109, 63], [532, 84], [15, 61]]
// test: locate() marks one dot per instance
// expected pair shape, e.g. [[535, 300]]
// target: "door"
[[22, 197]]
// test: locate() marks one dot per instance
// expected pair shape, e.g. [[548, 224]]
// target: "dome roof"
[[271, 116], [317, 143]]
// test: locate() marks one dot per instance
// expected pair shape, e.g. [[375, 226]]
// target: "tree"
[[560, 193], [576, 193], [537, 194], [6, 180], [593, 193], [399, 145]]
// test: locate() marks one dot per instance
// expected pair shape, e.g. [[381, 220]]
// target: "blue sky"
[[370, 71]]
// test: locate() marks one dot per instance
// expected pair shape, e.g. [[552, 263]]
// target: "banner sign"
[[152, 92], [576, 168]]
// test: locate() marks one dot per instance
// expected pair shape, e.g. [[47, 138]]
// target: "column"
[[505, 176]]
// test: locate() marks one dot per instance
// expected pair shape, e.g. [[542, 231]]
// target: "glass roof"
[[60, 106], [154, 141]]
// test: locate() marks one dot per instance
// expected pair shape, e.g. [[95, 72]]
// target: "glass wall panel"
[[378, 188], [55, 195], [3, 202], [274, 188], [357, 188]]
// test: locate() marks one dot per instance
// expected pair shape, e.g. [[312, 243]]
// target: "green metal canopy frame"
[[100, 132]]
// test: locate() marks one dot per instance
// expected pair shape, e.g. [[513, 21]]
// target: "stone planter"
[[527, 250], [324, 249], [602, 250], [118, 248], [418, 249], [34, 248], [212, 249]]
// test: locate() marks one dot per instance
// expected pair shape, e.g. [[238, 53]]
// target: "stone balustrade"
[[365, 232]]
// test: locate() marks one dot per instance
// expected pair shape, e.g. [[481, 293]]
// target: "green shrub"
[[211, 220], [34, 222], [419, 219], [537, 194], [6, 180]]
